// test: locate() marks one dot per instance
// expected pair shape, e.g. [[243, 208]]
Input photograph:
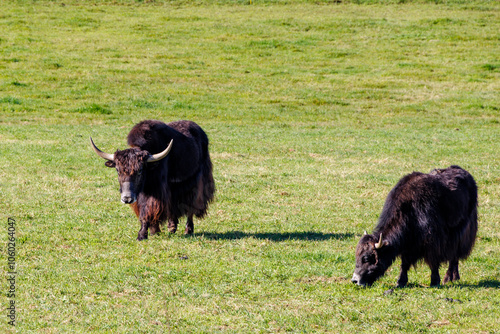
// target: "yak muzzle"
[[127, 199], [356, 279], [127, 193]]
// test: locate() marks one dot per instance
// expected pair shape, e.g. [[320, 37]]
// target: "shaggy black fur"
[[179, 185], [426, 216]]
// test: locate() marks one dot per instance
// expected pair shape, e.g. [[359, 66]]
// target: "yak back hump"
[[441, 199], [186, 156]]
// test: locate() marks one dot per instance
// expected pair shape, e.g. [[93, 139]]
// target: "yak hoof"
[[402, 283], [435, 284], [435, 280], [189, 226], [172, 225], [450, 278]]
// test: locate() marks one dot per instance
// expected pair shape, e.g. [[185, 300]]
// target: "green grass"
[[314, 110]]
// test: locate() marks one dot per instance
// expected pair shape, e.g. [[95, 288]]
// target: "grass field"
[[314, 110]]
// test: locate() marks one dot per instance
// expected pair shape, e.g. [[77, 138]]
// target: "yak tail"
[[468, 236], [206, 188]]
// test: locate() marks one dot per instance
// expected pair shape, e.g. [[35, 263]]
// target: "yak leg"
[[172, 224], [143, 232], [452, 273], [154, 228], [435, 278], [403, 274], [189, 225]]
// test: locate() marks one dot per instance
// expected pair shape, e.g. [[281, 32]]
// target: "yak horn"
[[161, 155], [100, 153], [380, 243], [365, 233]]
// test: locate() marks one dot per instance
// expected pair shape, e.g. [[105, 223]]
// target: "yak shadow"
[[488, 283], [312, 236], [481, 284]]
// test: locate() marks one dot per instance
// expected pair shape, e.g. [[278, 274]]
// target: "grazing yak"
[[165, 174], [425, 216]]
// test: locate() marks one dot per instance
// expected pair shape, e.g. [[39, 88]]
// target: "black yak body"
[[426, 216], [178, 183]]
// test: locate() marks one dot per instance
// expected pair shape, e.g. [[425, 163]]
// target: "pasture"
[[314, 110]]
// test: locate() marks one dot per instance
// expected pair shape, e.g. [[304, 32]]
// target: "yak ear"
[[110, 163]]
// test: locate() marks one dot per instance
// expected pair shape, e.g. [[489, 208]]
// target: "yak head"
[[372, 259], [131, 167]]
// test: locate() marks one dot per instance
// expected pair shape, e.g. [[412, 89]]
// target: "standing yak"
[[165, 174], [426, 216]]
